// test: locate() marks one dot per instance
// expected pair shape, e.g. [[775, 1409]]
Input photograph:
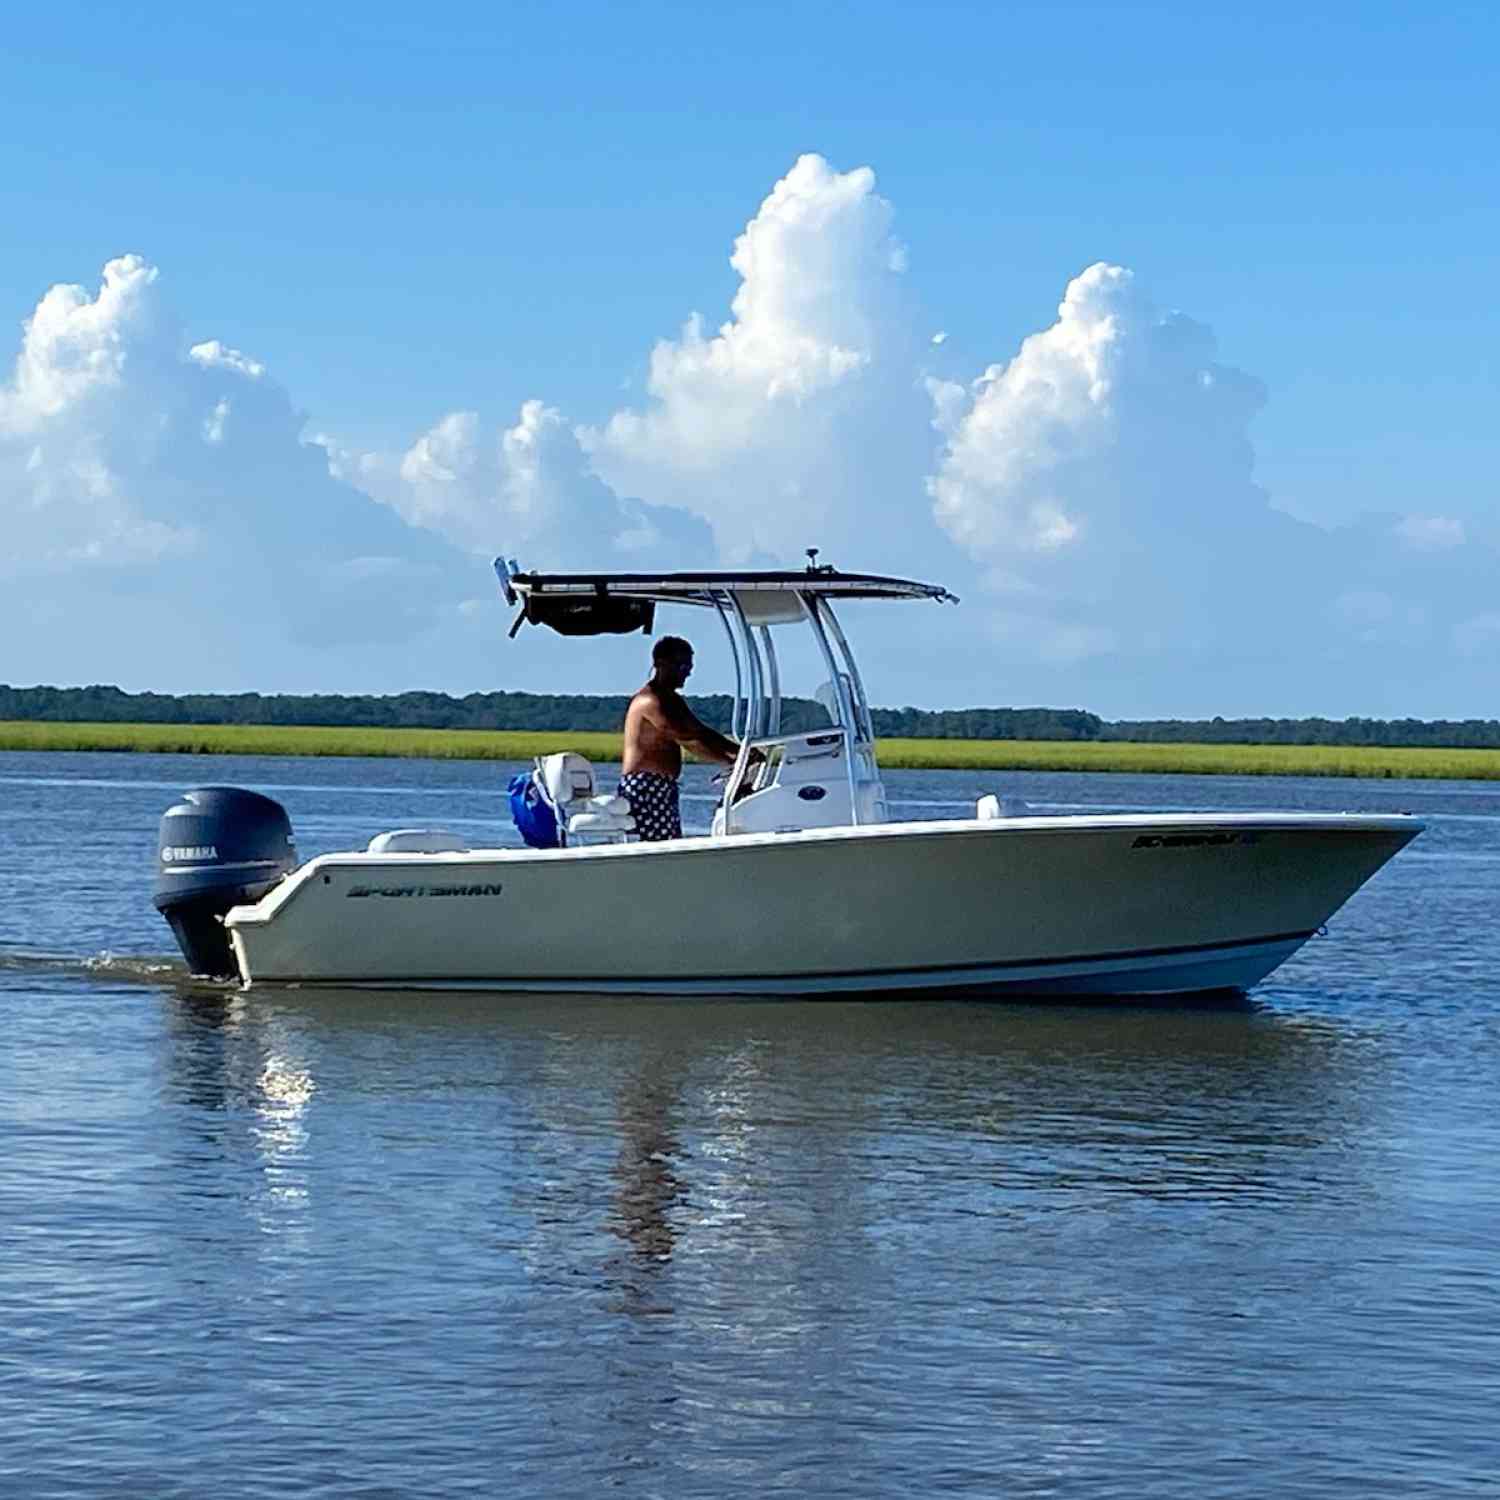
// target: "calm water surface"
[[343, 1244]]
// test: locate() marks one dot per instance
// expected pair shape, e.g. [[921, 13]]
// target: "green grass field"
[[280, 739], [969, 755], [1197, 760]]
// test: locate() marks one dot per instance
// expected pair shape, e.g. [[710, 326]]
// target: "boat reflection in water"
[[647, 1186], [678, 1219], [674, 1118]]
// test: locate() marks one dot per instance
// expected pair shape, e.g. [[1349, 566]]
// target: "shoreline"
[[1122, 756]]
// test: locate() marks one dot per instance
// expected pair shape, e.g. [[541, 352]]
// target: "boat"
[[804, 884]]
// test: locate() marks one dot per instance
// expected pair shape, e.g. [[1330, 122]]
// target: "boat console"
[[822, 779]]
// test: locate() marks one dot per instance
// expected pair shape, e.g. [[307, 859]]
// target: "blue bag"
[[533, 814]]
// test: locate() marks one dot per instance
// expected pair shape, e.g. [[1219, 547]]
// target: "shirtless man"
[[657, 725]]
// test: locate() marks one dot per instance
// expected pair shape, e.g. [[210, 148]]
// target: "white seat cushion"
[[599, 824], [417, 841], [567, 776]]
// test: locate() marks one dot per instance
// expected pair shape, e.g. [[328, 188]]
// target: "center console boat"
[[803, 886]]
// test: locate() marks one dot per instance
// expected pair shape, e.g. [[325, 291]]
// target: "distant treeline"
[[1449, 734], [576, 711]]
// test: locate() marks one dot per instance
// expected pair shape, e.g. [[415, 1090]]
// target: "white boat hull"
[[1110, 905]]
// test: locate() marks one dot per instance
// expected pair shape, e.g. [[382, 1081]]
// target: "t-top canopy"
[[617, 603]]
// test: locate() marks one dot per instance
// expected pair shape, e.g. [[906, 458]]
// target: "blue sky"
[[397, 215]]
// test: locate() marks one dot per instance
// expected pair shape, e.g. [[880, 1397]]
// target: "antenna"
[[812, 559]]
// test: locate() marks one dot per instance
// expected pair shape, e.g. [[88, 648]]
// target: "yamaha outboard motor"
[[219, 847]]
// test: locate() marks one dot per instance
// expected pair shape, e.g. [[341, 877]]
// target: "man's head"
[[672, 661]]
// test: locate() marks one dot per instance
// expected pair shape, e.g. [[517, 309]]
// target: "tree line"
[[1435, 734], [564, 711]]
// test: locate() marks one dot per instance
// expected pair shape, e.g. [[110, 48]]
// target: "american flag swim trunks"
[[653, 805]]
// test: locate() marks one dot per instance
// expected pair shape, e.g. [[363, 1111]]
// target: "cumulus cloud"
[[529, 492], [1104, 475], [798, 421], [76, 347], [1114, 416], [1093, 496], [1104, 478], [74, 429], [159, 497]]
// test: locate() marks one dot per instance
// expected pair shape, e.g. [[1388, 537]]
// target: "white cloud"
[[72, 427], [1106, 472], [75, 347], [950, 404], [1113, 416], [159, 497], [799, 421], [1104, 476], [1093, 497], [527, 492], [212, 355]]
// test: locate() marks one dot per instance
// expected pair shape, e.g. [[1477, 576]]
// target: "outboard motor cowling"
[[219, 847]]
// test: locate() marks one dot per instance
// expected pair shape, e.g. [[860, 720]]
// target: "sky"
[[1164, 335]]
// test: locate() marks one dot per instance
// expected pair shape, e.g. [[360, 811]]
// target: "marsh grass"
[[1197, 760], [911, 754], [310, 739]]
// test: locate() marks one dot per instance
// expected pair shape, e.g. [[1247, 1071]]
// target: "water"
[[342, 1244]]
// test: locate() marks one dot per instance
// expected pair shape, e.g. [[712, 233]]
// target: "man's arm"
[[689, 730]]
